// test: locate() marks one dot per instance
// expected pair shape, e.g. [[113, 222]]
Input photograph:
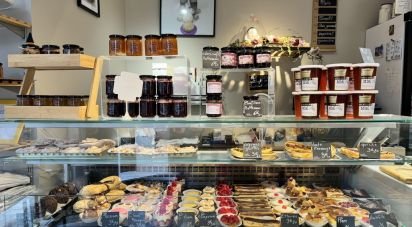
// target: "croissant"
[[112, 182], [82, 205], [93, 189]]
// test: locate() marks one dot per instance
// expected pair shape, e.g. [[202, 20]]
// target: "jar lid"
[[116, 36], [147, 77], [227, 48], [214, 97], [50, 46], [211, 48], [365, 65], [263, 48], [247, 48], [169, 35], [252, 97], [164, 77], [347, 65], [311, 67], [295, 69], [28, 45], [133, 37], [179, 97], [71, 46], [152, 36], [111, 77], [147, 97], [214, 77]]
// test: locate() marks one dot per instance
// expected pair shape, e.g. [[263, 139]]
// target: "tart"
[[192, 192], [333, 192], [208, 190], [188, 204], [314, 218], [279, 202], [187, 210], [229, 220], [194, 199], [284, 209], [227, 210], [207, 202], [207, 196], [348, 204], [207, 209]]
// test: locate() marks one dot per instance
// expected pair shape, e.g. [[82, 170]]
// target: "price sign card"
[[252, 150], [370, 150], [252, 108], [321, 150], [211, 59], [186, 219], [207, 219], [289, 220], [345, 221], [378, 220], [110, 219], [136, 219]]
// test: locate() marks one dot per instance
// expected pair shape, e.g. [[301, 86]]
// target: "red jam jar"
[[336, 106], [297, 78], [228, 58], [246, 57], [364, 75], [133, 108], [338, 76], [363, 105], [309, 106], [312, 78], [164, 107], [349, 107], [296, 104], [179, 106]]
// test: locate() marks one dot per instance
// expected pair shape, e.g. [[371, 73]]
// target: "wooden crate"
[[45, 112]]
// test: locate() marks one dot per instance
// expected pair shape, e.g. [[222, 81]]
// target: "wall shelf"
[[52, 61], [19, 27]]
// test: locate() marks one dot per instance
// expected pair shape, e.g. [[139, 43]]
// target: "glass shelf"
[[142, 58], [237, 70]]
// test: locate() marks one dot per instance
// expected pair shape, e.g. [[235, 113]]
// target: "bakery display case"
[[201, 171]]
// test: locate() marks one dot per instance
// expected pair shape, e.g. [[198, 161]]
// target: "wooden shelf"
[[52, 61], [45, 112], [9, 85], [15, 25]]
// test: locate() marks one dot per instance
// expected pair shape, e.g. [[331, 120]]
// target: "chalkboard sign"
[[110, 219], [252, 150], [370, 150], [252, 108], [324, 20], [211, 59], [258, 81], [186, 219], [289, 220], [321, 150], [378, 220], [345, 221], [327, 2], [207, 219], [136, 219]]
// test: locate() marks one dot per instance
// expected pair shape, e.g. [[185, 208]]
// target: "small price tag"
[[378, 220], [370, 150], [136, 219], [186, 219], [252, 108], [345, 221], [207, 219], [289, 220], [110, 219], [321, 150], [252, 150], [211, 59]]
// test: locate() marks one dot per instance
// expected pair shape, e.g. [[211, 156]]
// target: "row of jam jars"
[[162, 86], [131, 45], [245, 57]]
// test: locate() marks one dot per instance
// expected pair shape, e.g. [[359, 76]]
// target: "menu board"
[[324, 20]]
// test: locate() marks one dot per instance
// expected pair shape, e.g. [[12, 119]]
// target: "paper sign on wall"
[[367, 55]]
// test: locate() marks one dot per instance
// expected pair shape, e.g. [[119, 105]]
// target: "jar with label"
[[338, 76], [152, 45], [309, 105], [164, 86], [30, 49], [228, 58], [164, 107], [363, 105], [214, 106], [60, 100], [71, 49], [364, 75], [110, 84], [50, 49], [297, 78], [169, 44], [263, 57], [116, 108], [149, 85], [84, 100], [24, 100], [133, 108], [246, 57], [311, 77], [336, 106], [213, 84], [179, 108], [349, 107], [117, 45], [74, 100], [134, 45], [147, 107]]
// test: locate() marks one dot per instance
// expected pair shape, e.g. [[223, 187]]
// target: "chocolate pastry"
[[71, 188], [61, 194], [49, 204]]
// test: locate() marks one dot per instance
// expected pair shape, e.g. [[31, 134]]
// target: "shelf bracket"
[[21, 32]]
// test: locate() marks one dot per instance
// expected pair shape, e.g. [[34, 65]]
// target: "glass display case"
[[199, 171]]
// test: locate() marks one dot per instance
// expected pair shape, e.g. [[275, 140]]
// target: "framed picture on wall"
[[188, 17], [91, 6]]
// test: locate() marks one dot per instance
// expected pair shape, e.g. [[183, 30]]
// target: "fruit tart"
[[229, 220], [314, 218]]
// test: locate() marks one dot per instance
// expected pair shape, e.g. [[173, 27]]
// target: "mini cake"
[[209, 190], [148, 208], [133, 198], [128, 206]]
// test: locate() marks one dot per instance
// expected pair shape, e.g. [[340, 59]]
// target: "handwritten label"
[[207, 219], [321, 150], [252, 108], [289, 220], [211, 59], [110, 219], [345, 221], [136, 219], [378, 220], [252, 150], [370, 150], [186, 219]]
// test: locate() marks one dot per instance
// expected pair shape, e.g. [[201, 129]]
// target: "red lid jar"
[[363, 105], [338, 76], [312, 78], [349, 107], [309, 106], [365, 75], [336, 106], [297, 78]]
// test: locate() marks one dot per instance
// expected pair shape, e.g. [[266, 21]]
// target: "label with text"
[[345, 221], [136, 219], [289, 220], [211, 59], [252, 150], [110, 219], [309, 109], [378, 220], [207, 219], [370, 150], [252, 108], [321, 150], [310, 84], [186, 219]]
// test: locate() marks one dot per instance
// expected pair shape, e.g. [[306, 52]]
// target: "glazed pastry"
[[85, 204], [333, 192], [114, 195], [137, 188], [48, 204], [359, 213], [112, 182], [93, 189], [60, 194], [104, 207], [121, 186]]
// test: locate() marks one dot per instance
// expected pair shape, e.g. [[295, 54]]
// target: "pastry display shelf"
[[285, 121]]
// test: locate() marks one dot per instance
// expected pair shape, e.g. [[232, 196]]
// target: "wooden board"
[[52, 61], [45, 112], [14, 21]]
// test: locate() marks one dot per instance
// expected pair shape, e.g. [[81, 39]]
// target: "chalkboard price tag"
[[378, 220], [252, 108], [211, 59], [136, 219], [110, 219], [321, 150], [186, 219], [370, 150], [207, 219], [345, 221], [289, 220], [252, 150]]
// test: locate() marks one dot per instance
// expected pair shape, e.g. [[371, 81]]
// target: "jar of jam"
[[214, 85], [134, 45], [74, 100], [30, 49], [263, 57], [42, 100], [81, 50], [133, 108], [149, 85], [164, 86], [363, 105], [116, 108], [364, 75], [24, 100], [312, 79], [147, 107], [338, 76], [169, 44], [179, 108], [84, 100], [296, 106], [228, 58], [349, 107], [117, 45], [214, 106], [246, 57], [50, 49], [60, 100], [152, 45], [164, 107], [297, 78], [71, 49], [336, 106], [309, 105], [110, 84]]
